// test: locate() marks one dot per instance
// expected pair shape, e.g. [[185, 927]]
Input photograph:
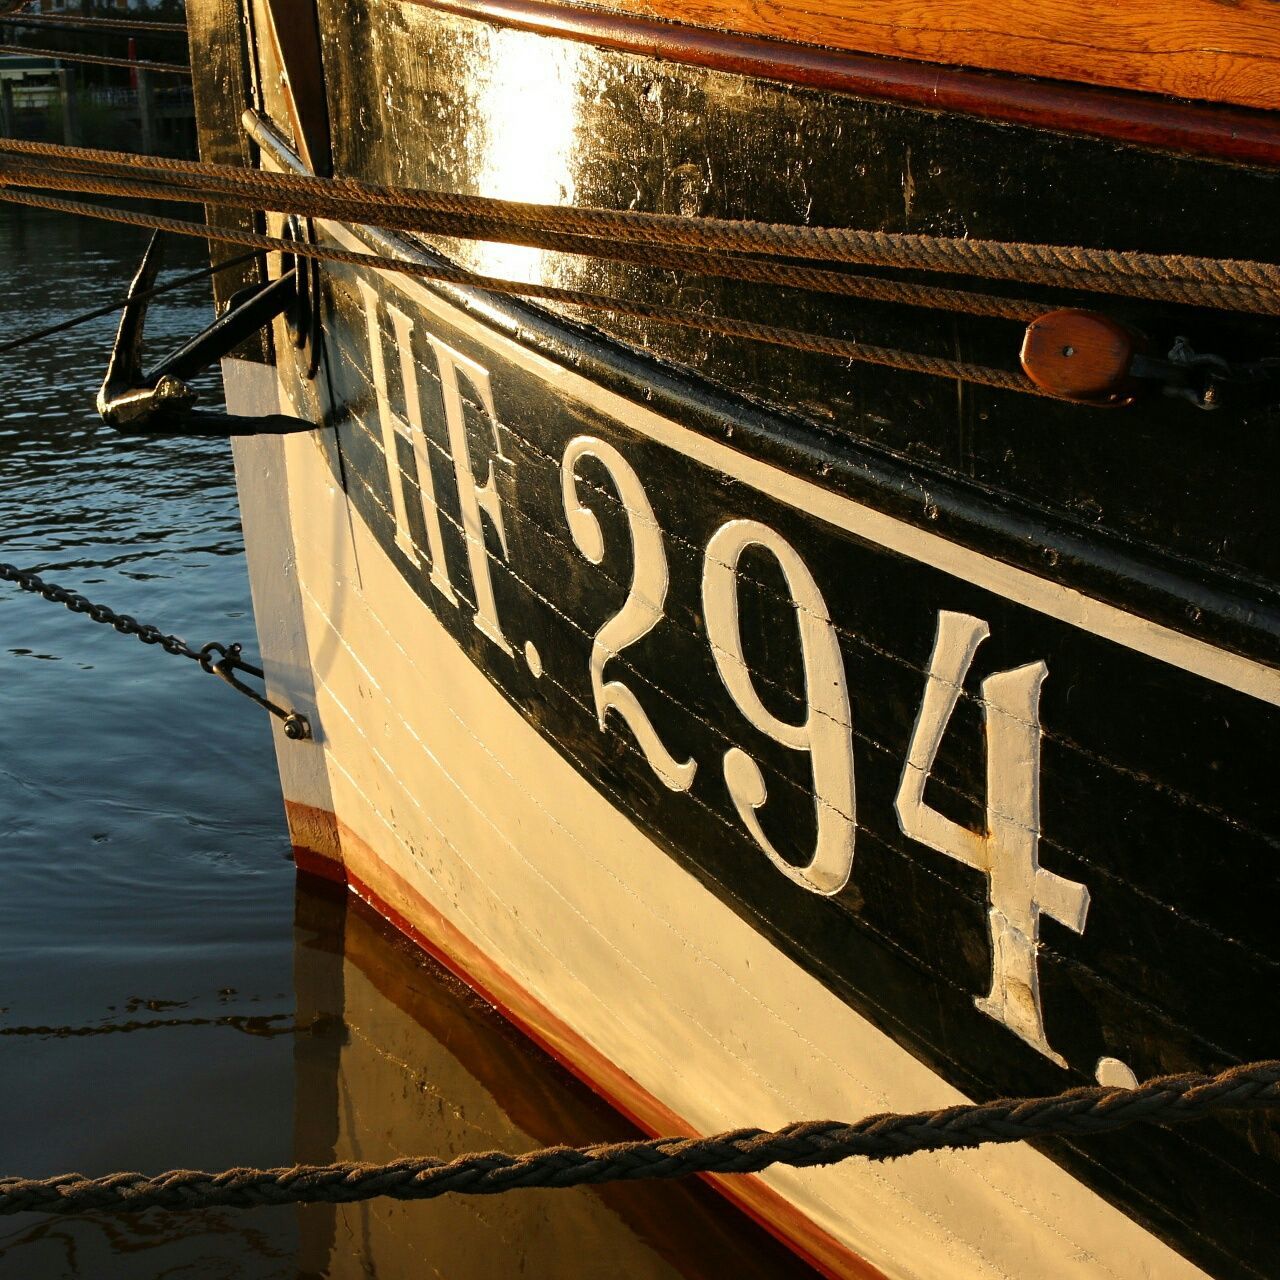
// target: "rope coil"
[[1076, 1113]]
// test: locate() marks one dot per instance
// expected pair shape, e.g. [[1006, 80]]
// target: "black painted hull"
[[1099, 584]]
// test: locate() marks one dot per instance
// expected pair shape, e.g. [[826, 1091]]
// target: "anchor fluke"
[[162, 403]]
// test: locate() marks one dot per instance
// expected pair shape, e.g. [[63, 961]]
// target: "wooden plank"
[[1201, 49], [1245, 136]]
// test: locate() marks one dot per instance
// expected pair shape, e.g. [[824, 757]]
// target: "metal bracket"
[[224, 661], [1208, 381], [161, 403], [1094, 359]]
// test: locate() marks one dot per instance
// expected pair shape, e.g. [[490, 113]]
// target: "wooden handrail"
[[1199, 49]]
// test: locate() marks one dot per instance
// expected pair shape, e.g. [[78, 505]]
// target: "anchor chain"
[[217, 659]]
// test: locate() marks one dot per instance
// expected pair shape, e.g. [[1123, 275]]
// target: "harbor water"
[[170, 994]]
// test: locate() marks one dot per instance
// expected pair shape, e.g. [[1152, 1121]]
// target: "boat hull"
[[399, 1059], [465, 781], [774, 738], [490, 849]]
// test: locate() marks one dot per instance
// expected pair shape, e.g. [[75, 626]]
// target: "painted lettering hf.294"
[[1019, 890]]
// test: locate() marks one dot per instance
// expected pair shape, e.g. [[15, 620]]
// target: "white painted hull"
[[447, 809]]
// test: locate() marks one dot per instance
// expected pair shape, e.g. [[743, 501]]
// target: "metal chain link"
[[77, 603], [217, 659]]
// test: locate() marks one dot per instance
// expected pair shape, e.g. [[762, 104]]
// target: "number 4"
[[1019, 890]]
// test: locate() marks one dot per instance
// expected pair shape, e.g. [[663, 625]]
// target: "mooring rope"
[[1233, 284], [81, 21], [708, 263], [774, 254], [844, 348], [1077, 1113]]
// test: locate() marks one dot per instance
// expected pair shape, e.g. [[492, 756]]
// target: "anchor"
[[162, 402]]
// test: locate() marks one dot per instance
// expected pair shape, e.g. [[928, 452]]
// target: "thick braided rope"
[[421, 210], [1077, 1113], [1232, 283], [416, 209], [844, 348], [704, 262]]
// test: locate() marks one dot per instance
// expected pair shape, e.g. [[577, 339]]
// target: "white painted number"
[[825, 732], [1019, 889], [642, 609]]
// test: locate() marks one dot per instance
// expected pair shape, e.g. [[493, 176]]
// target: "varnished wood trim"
[[1218, 132], [1202, 49], [292, 28], [371, 879]]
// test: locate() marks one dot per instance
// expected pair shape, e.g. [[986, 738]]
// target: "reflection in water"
[[148, 1012], [145, 895], [411, 1061]]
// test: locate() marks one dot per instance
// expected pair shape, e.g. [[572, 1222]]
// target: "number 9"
[[826, 732]]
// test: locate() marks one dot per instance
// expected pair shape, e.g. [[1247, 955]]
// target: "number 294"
[[1020, 891]]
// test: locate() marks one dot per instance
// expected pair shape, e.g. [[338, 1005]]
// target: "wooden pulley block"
[[1080, 355]]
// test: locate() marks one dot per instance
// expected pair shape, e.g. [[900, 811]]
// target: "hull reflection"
[[405, 1060]]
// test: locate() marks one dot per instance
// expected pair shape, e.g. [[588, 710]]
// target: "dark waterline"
[[167, 998]]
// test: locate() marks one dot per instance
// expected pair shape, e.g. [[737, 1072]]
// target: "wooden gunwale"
[[1217, 132]]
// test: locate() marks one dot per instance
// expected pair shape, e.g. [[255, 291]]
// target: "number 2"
[[642, 609]]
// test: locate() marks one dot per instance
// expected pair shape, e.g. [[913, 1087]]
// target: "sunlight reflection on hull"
[[535, 96]]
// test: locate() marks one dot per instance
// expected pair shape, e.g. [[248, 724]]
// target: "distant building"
[[34, 81]]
